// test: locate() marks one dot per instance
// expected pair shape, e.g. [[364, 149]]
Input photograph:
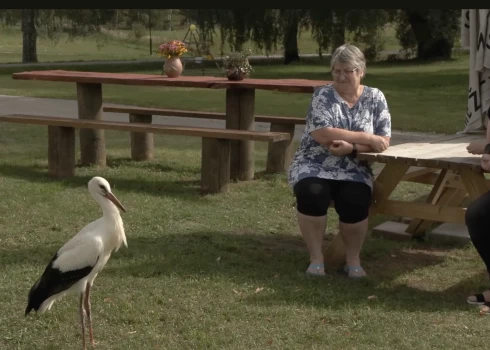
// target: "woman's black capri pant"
[[352, 199]]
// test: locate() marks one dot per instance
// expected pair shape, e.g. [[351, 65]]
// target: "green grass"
[[429, 97], [220, 271], [227, 270]]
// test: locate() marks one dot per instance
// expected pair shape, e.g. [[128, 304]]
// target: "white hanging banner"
[[475, 36]]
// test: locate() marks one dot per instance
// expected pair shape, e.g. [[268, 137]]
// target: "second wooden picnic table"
[[445, 164], [240, 105]]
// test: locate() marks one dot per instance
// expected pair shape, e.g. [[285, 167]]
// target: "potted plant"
[[172, 51], [236, 65]]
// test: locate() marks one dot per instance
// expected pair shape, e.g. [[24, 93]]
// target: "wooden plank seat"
[[279, 155], [216, 144], [415, 174]]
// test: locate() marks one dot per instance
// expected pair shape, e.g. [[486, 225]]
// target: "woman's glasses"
[[337, 72]]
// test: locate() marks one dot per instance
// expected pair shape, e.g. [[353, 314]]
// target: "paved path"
[[68, 109]]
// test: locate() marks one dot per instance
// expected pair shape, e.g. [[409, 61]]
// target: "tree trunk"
[[428, 47], [338, 28], [29, 36], [291, 52]]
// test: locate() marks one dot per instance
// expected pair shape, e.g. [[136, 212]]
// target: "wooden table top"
[[448, 152], [282, 85]]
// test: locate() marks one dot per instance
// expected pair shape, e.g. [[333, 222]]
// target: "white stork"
[[76, 264]]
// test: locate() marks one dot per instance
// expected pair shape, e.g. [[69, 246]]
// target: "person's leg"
[[352, 201], [477, 220], [312, 201]]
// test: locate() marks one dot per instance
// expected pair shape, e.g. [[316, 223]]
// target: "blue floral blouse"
[[327, 109]]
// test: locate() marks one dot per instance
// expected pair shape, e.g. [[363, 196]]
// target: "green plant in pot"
[[236, 65]]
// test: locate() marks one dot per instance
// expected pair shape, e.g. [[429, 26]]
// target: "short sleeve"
[[381, 117], [319, 115]]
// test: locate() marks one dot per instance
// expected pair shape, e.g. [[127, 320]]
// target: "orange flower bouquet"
[[173, 48]]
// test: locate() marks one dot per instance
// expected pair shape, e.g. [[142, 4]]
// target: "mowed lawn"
[[227, 270], [220, 271]]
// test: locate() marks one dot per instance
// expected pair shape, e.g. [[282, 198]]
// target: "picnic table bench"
[[279, 154], [216, 144], [240, 105]]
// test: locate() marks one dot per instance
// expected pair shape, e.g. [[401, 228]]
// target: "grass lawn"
[[227, 270], [221, 271]]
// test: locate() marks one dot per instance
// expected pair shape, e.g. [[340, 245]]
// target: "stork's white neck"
[[109, 209], [113, 219]]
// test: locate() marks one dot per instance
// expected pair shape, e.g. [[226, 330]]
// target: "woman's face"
[[346, 76]]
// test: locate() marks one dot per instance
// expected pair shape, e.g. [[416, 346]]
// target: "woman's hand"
[[485, 162], [340, 148], [476, 147], [378, 143]]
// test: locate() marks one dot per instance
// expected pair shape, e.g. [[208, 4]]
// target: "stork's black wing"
[[54, 281]]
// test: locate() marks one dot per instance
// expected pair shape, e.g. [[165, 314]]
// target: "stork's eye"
[[102, 187]]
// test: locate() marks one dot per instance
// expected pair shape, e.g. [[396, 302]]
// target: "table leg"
[[475, 182], [449, 197], [416, 226], [385, 184], [142, 146], [240, 114], [92, 141]]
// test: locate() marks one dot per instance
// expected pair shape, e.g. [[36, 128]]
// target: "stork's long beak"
[[114, 200]]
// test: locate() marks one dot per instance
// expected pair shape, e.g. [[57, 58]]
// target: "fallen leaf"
[[393, 255], [371, 297], [237, 292], [131, 332], [269, 342], [218, 259], [268, 319], [107, 299], [259, 289]]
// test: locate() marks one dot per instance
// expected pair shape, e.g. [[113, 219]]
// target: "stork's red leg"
[[89, 314], [82, 321]]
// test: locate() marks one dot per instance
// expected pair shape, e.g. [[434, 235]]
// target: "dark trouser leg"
[[478, 222], [313, 198], [352, 200]]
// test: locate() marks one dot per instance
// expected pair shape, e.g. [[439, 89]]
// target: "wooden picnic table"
[[444, 164], [240, 105], [447, 166]]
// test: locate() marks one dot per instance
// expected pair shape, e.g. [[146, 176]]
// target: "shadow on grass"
[[277, 262], [184, 189], [154, 165]]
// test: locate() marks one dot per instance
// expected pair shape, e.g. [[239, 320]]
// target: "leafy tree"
[[53, 22], [431, 33]]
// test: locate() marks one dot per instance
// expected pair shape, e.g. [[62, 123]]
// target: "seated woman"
[[343, 118], [478, 220]]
